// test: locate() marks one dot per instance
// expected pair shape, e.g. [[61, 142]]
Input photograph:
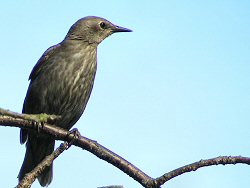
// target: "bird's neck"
[[79, 45]]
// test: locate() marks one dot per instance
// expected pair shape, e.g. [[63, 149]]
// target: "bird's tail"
[[37, 148]]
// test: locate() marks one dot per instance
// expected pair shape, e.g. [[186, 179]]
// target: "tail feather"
[[37, 148], [46, 177], [28, 163]]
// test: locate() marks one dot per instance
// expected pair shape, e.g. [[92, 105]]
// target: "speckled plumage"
[[61, 84]]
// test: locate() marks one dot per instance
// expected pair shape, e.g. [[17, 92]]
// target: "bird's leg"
[[76, 135]]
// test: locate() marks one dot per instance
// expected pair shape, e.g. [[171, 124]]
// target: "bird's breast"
[[80, 73], [70, 85]]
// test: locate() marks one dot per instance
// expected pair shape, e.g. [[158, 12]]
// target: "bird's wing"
[[43, 59], [34, 73]]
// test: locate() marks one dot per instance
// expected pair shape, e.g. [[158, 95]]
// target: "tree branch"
[[16, 120], [29, 122]]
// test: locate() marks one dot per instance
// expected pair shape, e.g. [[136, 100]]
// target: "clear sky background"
[[174, 91]]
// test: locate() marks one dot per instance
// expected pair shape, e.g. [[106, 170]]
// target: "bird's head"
[[93, 30]]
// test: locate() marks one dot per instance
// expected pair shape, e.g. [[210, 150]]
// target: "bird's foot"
[[39, 119], [76, 135], [38, 125], [44, 118]]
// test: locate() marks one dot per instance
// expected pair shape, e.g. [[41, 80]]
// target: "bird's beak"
[[117, 29]]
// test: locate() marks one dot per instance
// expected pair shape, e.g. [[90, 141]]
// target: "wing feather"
[[43, 59]]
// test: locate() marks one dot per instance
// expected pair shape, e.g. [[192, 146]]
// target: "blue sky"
[[174, 91]]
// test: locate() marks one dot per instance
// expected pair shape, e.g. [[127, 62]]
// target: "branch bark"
[[12, 119]]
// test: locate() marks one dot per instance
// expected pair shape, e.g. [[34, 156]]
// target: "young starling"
[[61, 83]]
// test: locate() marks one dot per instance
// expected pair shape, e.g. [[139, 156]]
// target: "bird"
[[60, 84]]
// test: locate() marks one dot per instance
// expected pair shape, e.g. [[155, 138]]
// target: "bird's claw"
[[38, 125], [76, 136]]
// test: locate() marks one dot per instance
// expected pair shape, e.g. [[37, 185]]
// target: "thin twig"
[[224, 160], [31, 176]]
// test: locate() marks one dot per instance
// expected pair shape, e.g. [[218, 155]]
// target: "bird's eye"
[[103, 25]]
